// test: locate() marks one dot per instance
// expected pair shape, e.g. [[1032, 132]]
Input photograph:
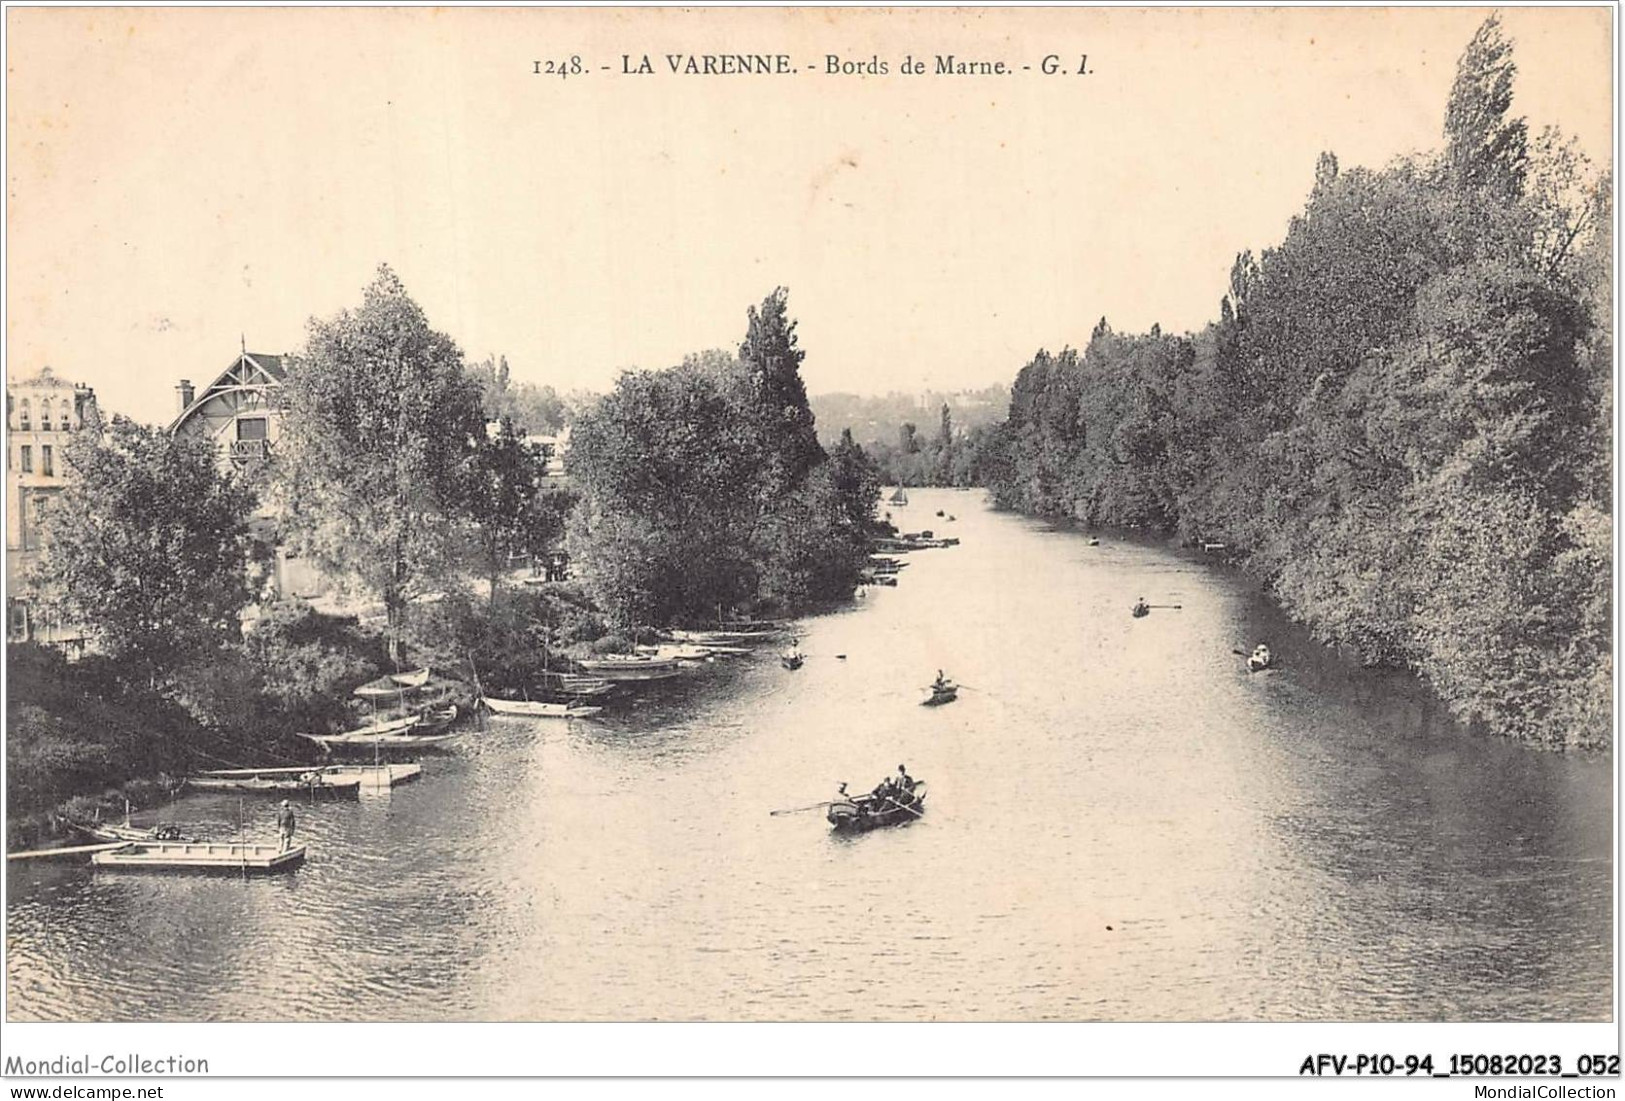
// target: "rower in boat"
[[1260, 659], [942, 691], [1141, 608], [895, 800]]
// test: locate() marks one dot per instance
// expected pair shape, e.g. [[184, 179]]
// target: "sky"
[[182, 180]]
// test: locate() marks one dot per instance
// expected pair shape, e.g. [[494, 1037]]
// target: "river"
[[1122, 825]]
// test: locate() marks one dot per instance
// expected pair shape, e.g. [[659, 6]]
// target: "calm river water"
[[1123, 825]]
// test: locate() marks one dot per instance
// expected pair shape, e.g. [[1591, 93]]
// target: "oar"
[[903, 806], [798, 810], [1238, 653], [1175, 607]]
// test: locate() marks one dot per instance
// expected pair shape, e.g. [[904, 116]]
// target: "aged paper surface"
[[943, 191]]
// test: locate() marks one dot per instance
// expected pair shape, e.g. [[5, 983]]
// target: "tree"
[[944, 473], [379, 434], [672, 479], [505, 500], [147, 547], [856, 481], [783, 417], [1483, 147], [537, 410]]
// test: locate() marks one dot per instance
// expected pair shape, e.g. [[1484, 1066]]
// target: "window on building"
[[45, 466], [45, 415], [67, 425], [28, 459], [251, 428], [22, 416], [19, 621]]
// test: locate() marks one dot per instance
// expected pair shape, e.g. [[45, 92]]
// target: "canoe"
[[862, 813], [369, 739], [233, 857], [711, 639], [387, 726], [537, 710], [631, 667], [275, 781], [677, 651], [576, 684], [113, 832], [437, 717]]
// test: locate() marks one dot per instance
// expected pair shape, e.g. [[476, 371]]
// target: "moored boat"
[[536, 709], [576, 684], [272, 781], [631, 667], [100, 831], [436, 718], [235, 857], [678, 651], [416, 678], [382, 742]]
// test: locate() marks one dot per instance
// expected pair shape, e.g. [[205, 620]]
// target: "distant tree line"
[[1400, 420], [914, 440]]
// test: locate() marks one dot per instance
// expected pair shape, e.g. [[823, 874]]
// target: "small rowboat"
[[792, 659], [113, 832], [576, 684], [1260, 659], [713, 639], [417, 678], [678, 651], [234, 857], [862, 813], [938, 694], [437, 717], [275, 781], [536, 710], [372, 738], [631, 667]]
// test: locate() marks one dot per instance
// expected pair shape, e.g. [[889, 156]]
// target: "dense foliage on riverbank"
[[1400, 420], [704, 488]]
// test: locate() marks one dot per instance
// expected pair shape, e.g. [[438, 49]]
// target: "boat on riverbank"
[[618, 667], [99, 831], [576, 684], [330, 781], [678, 651], [382, 743], [234, 857], [862, 813], [536, 709]]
